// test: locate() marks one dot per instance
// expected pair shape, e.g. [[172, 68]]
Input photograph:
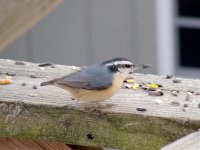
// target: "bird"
[[96, 82]]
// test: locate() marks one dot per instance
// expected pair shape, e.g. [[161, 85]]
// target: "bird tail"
[[51, 82], [45, 83]]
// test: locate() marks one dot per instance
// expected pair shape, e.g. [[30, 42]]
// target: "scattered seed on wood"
[[135, 86], [184, 110], [33, 95], [141, 109], [33, 76], [174, 103], [191, 91], [151, 89], [154, 86], [73, 99], [169, 76], [5, 81], [129, 80], [128, 86], [35, 87], [19, 63], [144, 87], [197, 93], [159, 85], [45, 64], [41, 68], [10, 74], [175, 92], [176, 80], [147, 87], [23, 84], [156, 93], [187, 98], [8, 77], [185, 105]]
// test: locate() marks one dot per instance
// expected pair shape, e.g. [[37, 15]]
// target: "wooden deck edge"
[[91, 127], [189, 142]]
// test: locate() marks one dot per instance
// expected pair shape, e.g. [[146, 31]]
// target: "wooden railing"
[[131, 119]]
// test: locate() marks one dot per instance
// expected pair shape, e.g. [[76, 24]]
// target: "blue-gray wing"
[[92, 78]]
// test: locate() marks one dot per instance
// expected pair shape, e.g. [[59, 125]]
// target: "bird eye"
[[127, 66]]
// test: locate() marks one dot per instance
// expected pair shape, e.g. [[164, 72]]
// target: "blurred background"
[[164, 33]]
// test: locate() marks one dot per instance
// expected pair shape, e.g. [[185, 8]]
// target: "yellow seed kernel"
[[154, 85], [130, 80], [135, 86]]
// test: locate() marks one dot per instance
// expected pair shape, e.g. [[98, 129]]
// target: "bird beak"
[[141, 66]]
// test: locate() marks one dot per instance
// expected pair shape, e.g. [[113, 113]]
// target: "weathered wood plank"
[[16, 144], [190, 142], [124, 101], [17, 16], [89, 127], [49, 113]]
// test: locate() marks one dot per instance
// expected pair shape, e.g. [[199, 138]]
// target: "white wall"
[[81, 32]]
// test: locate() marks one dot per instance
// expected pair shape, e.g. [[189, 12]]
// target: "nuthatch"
[[97, 82]]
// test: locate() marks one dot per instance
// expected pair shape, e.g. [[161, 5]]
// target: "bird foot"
[[98, 109]]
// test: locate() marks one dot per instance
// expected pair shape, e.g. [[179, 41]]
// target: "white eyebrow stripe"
[[119, 62]]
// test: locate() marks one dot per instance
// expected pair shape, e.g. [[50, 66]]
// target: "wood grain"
[[17, 16], [50, 113], [125, 101]]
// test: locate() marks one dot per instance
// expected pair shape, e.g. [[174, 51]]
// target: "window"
[[189, 47], [187, 31], [189, 8]]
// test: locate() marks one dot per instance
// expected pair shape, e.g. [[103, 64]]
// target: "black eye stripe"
[[123, 65], [127, 66]]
